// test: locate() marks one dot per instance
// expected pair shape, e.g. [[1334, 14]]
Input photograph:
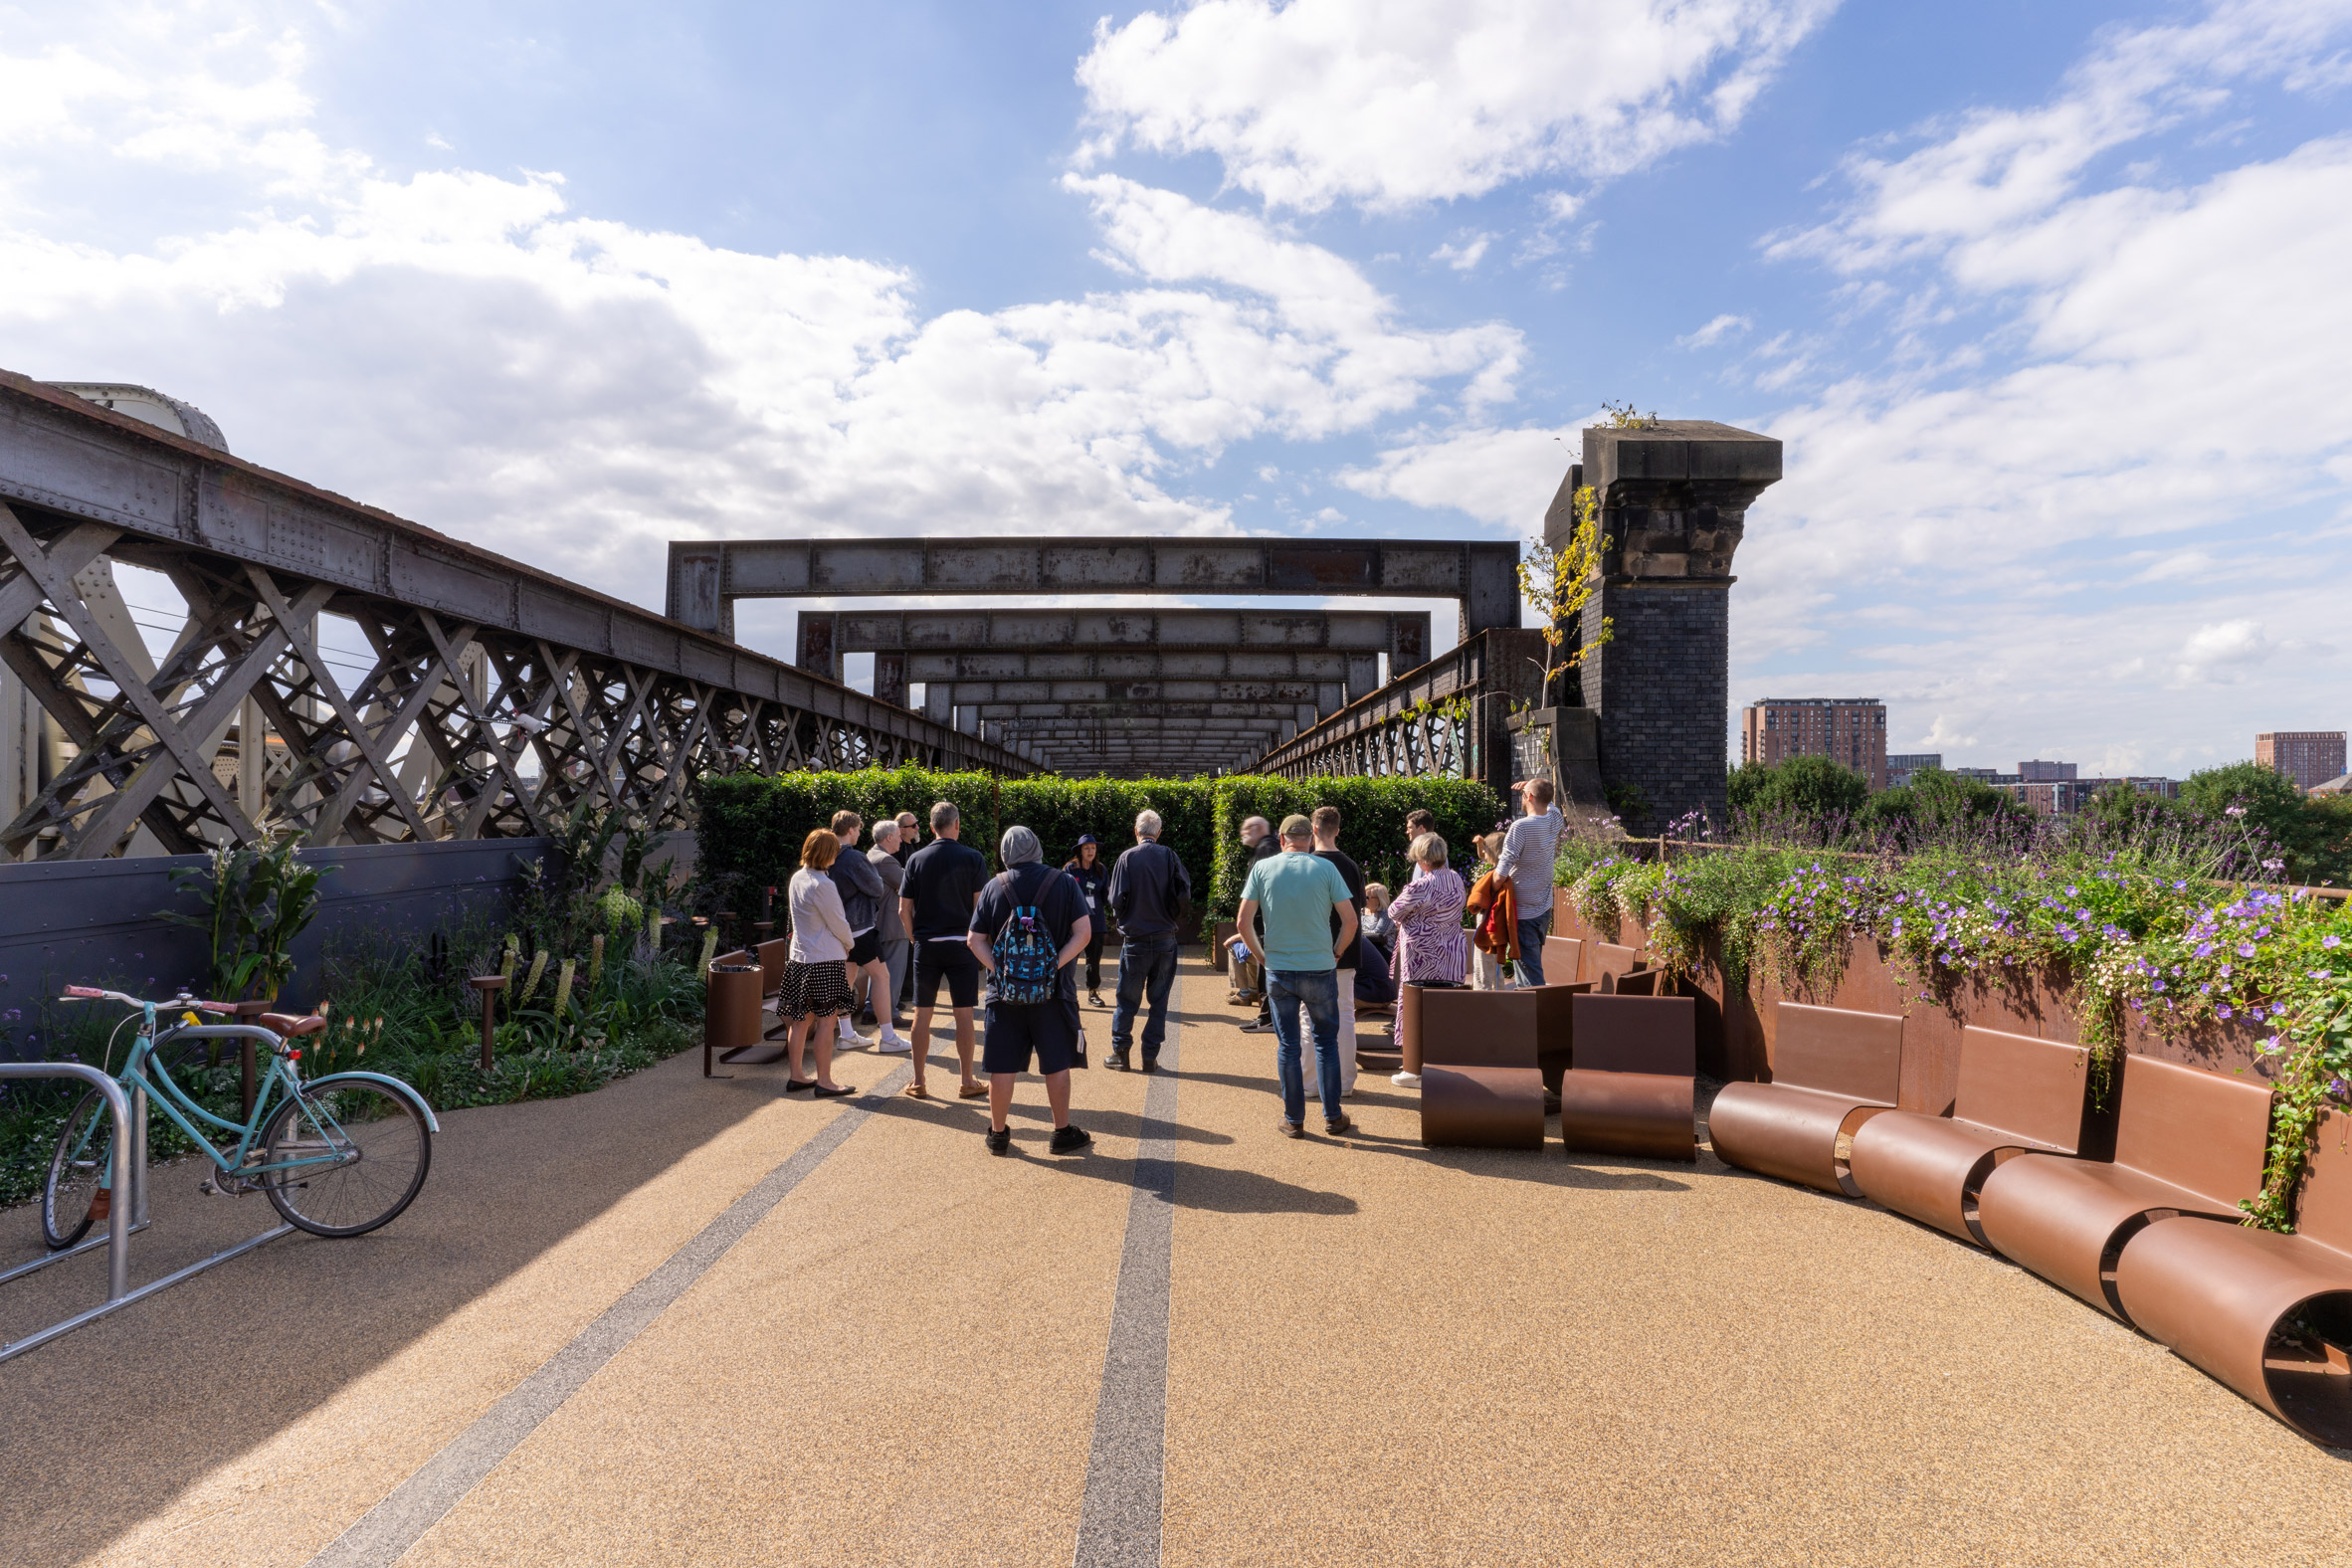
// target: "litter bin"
[[730, 1012]]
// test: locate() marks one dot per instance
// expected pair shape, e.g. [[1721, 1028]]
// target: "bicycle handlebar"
[[85, 993]]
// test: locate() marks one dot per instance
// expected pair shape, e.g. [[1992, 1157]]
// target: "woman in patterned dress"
[[1430, 944]]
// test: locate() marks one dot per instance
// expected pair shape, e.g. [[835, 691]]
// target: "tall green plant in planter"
[[256, 902]]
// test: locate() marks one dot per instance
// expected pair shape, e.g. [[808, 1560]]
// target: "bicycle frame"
[[145, 1071]]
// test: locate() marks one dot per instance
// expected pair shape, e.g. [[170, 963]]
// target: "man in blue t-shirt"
[[1019, 1027], [1298, 916]]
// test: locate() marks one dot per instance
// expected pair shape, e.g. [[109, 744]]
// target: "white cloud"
[[1717, 330], [1464, 257], [1501, 476], [2224, 652], [1393, 103], [464, 349]]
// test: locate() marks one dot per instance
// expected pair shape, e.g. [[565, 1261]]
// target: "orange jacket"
[[1497, 910]]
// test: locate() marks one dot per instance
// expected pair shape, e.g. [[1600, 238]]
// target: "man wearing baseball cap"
[[1297, 917]]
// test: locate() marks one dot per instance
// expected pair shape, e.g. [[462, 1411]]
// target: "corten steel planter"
[[1832, 1073], [2017, 1096], [1632, 1089], [1737, 1028], [730, 1010], [2228, 1301], [1480, 1086], [2186, 1142]]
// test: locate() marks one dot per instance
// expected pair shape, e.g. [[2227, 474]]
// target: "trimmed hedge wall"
[[750, 826]]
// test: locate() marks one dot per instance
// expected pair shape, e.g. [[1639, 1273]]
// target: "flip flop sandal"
[[972, 1092], [822, 1092]]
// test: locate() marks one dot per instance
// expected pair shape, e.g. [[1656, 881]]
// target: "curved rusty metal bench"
[[1479, 1083], [1831, 1070], [2017, 1096], [2269, 1315], [1633, 1087], [2186, 1142]]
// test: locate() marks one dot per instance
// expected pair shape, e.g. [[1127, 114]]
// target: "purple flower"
[[2204, 948], [2325, 941], [2246, 949], [2220, 1012]]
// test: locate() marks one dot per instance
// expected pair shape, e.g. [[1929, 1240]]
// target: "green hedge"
[[750, 826]]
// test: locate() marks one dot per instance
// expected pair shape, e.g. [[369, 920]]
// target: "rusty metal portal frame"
[[706, 577], [1449, 718], [493, 697]]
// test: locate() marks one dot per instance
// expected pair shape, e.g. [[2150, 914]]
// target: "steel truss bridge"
[[486, 699]]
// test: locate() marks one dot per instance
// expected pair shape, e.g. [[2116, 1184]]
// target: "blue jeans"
[[1531, 934], [1147, 968], [1319, 992]]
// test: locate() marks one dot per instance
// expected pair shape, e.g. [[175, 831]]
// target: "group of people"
[[1018, 933], [1313, 939]]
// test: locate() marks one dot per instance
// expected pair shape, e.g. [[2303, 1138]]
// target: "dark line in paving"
[[385, 1532], [1119, 1520]]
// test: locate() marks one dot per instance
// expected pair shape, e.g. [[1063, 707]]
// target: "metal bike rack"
[[129, 1111]]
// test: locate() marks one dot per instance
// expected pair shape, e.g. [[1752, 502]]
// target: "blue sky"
[[2047, 301]]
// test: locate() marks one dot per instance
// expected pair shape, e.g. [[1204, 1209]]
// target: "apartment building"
[[1848, 730], [2306, 756], [1902, 765]]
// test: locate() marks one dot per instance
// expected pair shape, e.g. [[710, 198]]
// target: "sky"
[[2047, 303]]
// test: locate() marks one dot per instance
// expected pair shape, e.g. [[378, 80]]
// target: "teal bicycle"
[[338, 1155]]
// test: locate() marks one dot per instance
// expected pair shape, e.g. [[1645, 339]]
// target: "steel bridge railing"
[[494, 698], [1449, 718]]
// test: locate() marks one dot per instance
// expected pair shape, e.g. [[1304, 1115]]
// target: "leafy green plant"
[[256, 902]]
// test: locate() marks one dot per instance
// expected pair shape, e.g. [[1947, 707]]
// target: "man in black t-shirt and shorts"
[[1047, 1028], [944, 880]]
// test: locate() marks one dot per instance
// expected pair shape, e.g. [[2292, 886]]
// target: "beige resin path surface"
[[1376, 1354]]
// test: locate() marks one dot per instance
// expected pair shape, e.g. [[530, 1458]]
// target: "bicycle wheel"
[[372, 1151], [79, 1163]]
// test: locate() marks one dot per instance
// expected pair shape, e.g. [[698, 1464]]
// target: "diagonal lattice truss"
[[1446, 719], [448, 729]]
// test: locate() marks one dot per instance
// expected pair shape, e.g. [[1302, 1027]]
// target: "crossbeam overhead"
[[707, 577]]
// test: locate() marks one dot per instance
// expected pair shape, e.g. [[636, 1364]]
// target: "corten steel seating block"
[[1606, 958], [1221, 932], [1555, 1027], [730, 1008], [2269, 1315], [1480, 1086], [2017, 1094], [1409, 995], [1831, 1070], [2186, 1142], [1563, 960], [1633, 1086], [1640, 982]]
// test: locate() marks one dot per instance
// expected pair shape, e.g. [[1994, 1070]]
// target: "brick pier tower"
[[1674, 499]]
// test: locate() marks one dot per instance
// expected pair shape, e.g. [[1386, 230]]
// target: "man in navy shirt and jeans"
[[1150, 892], [944, 880], [1030, 902]]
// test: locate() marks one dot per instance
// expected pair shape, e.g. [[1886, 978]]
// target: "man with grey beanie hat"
[[1029, 924]]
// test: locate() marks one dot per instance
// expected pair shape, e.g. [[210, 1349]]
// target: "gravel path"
[[1375, 1353]]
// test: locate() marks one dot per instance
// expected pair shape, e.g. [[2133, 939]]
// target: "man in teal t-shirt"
[[1294, 896]]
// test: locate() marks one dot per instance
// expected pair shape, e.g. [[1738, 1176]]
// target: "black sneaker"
[[1151, 1064], [1069, 1140], [1118, 1063], [1000, 1139], [1259, 1026]]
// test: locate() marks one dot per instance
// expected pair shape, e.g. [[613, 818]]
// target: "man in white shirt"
[[1529, 850]]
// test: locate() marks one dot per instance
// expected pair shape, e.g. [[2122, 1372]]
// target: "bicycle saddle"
[[289, 1026]]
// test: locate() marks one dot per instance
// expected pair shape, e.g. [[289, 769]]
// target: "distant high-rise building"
[[2065, 797], [1848, 731], [1902, 765], [2045, 772], [2308, 756]]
